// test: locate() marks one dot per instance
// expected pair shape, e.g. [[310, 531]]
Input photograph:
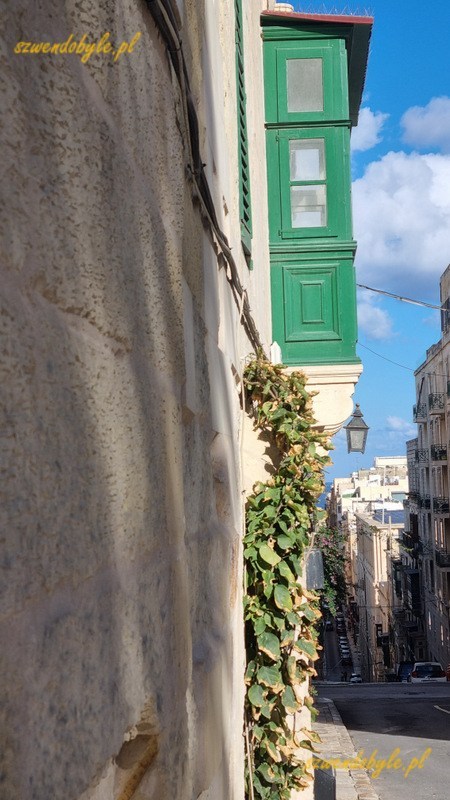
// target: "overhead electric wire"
[[404, 300], [385, 358], [410, 369], [400, 297]]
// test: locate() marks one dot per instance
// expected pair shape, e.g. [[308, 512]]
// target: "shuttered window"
[[244, 167]]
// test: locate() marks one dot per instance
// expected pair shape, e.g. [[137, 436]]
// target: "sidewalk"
[[351, 784]]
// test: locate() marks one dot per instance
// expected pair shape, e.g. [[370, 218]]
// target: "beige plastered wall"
[[121, 646]]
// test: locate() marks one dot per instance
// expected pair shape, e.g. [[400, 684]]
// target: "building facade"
[[368, 507], [378, 545], [429, 499], [138, 241], [314, 69]]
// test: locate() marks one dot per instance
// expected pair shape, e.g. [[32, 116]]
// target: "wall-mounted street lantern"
[[356, 432]]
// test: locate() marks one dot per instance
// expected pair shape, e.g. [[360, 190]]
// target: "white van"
[[427, 672]]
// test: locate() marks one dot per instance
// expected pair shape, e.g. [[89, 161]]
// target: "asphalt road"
[[400, 722], [332, 660]]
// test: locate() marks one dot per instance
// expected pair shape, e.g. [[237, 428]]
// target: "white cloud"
[[392, 437], [374, 322], [428, 126], [433, 321], [367, 133], [402, 222], [401, 426]]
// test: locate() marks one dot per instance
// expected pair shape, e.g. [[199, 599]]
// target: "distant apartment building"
[[368, 507], [382, 487], [428, 505], [386, 481], [379, 539]]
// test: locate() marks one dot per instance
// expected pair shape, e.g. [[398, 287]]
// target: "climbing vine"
[[331, 541], [281, 641]]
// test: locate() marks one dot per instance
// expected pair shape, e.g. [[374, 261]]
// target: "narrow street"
[[403, 728], [399, 721], [333, 666]]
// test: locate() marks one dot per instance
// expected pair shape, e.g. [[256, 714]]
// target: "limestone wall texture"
[[121, 648]]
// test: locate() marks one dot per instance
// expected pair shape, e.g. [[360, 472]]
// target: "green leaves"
[[306, 647], [268, 772], [332, 544], [269, 555], [289, 702], [285, 542], [256, 695], [271, 677], [269, 644], [279, 614], [272, 751], [282, 597]]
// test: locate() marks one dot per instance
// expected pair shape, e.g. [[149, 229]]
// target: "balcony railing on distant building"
[[417, 548], [441, 505], [419, 412], [412, 543], [439, 452], [443, 559], [397, 568], [412, 599], [407, 540], [424, 501], [436, 402], [421, 455]]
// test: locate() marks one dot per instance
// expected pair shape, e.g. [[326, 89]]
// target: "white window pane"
[[304, 84], [307, 159], [308, 207]]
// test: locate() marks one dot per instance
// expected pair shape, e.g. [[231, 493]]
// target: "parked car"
[[329, 625], [346, 660], [355, 678], [404, 670], [427, 672]]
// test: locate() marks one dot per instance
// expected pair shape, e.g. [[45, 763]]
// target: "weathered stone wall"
[[121, 647]]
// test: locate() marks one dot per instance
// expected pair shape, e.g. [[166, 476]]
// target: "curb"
[[351, 784]]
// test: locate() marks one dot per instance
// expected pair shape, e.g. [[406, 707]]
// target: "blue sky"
[[401, 210]]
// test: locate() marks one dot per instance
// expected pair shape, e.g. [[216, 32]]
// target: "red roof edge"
[[336, 18]]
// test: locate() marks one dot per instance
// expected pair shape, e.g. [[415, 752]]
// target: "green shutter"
[[244, 167]]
